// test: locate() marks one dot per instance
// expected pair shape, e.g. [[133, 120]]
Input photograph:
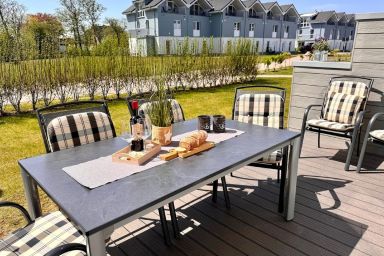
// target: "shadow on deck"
[[337, 213]]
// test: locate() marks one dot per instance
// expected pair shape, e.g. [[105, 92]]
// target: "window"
[[147, 24], [177, 24], [170, 5], [352, 32], [138, 24], [140, 14], [252, 13], [196, 10], [287, 29], [231, 10], [251, 27], [300, 32], [275, 28], [196, 25], [236, 26], [304, 24], [290, 47], [311, 34]]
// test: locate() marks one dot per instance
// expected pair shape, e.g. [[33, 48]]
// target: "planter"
[[162, 135], [320, 55]]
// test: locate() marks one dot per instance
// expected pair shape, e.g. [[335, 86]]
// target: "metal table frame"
[[96, 241]]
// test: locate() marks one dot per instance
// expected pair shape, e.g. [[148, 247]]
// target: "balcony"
[[234, 14], [256, 16], [176, 10], [273, 18], [139, 32], [204, 14], [290, 19]]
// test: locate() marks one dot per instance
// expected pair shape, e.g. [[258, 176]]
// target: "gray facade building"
[[338, 28], [164, 25]]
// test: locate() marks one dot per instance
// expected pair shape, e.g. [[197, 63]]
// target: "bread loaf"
[[194, 140]]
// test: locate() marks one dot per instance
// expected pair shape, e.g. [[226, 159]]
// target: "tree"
[[12, 18], [72, 14], [46, 30], [117, 28], [93, 11]]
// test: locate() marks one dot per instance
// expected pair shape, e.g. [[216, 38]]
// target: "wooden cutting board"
[[206, 146]]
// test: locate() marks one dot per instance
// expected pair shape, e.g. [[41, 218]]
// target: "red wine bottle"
[[137, 128]]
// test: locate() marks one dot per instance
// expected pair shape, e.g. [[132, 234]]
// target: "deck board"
[[337, 213]]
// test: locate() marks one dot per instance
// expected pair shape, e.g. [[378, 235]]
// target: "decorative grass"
[[21, 138]]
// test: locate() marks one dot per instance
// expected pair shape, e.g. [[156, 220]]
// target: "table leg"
[[96, 244], [31, 195], [292, 180]]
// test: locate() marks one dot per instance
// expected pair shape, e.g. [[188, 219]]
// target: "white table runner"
[[100, 171]]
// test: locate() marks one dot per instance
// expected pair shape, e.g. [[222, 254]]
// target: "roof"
[[285, 7], [350, 17], [269, 5], [323, 17], [151, 4], [219, 5]]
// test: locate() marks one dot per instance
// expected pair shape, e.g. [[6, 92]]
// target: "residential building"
[[338, 28], [163, 25]]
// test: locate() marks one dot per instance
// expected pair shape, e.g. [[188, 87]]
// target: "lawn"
[[21, 138]]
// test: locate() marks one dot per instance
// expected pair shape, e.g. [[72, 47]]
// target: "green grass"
[[21, 138], [284, 71]]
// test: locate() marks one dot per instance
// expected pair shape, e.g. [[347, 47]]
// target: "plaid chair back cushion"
[[260, 109], [342, 108], [78, 129], [177, 112], [349, 87]]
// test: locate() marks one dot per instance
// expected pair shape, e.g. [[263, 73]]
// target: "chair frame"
[[281, 168], [56, 251], [141, 99], [353, 133], [45, 118], [369, 138]]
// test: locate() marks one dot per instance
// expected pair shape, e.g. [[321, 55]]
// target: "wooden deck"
[[337, 213]]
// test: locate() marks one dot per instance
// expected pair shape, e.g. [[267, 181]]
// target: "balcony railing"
[[273, 17], [255, 16], [291, 19], [176, 10], [198, 14], [139, 32], [234, 14]]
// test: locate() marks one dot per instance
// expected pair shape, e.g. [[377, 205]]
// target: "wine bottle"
[[137, 128]]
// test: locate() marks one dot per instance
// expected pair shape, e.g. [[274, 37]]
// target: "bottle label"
[[138, 130]]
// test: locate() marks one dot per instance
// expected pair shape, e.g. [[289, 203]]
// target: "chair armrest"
[[19, 207], [67, 248], [306, 113], [373, 120]]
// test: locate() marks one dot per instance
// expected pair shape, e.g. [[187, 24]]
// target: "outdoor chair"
[[374, 136], [342, 111], [49, 235], [176, 110], [265, 108], [59, 125]]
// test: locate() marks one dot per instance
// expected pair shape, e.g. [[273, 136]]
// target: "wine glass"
[[147, 129], [126, 131]]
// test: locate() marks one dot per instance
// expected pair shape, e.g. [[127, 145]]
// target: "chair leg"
[[164, 226], [278, 173], [350, 150], [214, 191], [318, 139], [362, 152], [175, 225], [302, 138], [358, 143], [226, 194], [231, 174]]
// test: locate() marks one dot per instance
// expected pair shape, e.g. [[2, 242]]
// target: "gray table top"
[[93, 210]]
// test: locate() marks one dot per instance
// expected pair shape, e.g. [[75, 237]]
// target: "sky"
[[116, 7]]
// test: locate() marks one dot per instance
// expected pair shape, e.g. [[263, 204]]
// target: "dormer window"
[[140, 14], [196, 10], [170, 5], [231, 11], [252, 13]]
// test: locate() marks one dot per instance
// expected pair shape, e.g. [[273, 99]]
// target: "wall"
[[310, 79]]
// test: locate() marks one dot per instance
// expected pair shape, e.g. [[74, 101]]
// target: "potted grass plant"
[[159, 112]]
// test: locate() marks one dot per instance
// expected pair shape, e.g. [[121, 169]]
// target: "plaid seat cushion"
[[260, 109], [177, 112], [78, 129], [329, 125], [264, 110], [378, 134], [273, 158], [45, 234], [342, 108]]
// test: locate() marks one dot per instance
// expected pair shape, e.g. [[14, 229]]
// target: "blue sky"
[[115, 7]]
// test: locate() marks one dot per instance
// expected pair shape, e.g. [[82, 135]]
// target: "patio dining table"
[[93, 211]]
